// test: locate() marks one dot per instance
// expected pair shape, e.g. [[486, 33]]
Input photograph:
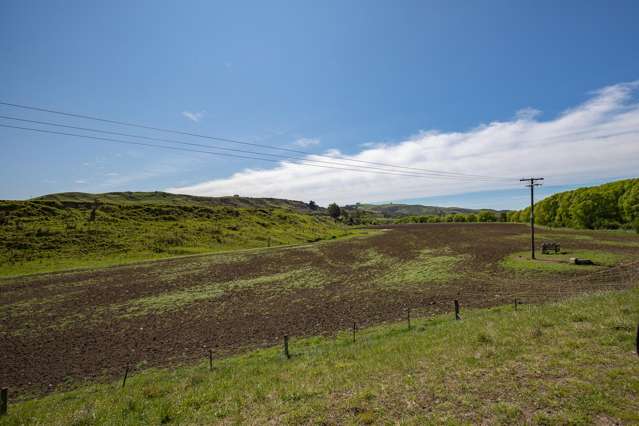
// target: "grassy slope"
[[50, 235], [167, 199], [567, 363]]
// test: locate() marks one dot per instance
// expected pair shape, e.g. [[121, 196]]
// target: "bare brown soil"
[[59, 329]]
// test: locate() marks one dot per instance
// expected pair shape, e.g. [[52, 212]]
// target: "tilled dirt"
[[59, 329]]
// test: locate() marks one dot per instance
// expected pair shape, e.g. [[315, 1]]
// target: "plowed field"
[[59, 329]]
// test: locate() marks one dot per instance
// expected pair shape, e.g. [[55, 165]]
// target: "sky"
[[485, 92]]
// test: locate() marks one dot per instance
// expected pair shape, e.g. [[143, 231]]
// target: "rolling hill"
[[70, 230], [392, 210], [168, 199]]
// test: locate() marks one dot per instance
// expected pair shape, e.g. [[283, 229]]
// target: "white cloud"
[[527, 113], [194, 116], [80, 181], [595, 140], [372, 145], [306, 142]]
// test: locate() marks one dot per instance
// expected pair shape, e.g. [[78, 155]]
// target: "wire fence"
[[453, 300], [622, 277]]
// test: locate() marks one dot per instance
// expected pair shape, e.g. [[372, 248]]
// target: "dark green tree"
[[334, 211], [487, 216]]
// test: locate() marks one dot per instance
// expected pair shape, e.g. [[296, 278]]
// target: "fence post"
[[637, 339], [408, 317], [457, 317], [4, 401], [286, 353], [354, 330], [126, 373], [515, 303], [210, 360]]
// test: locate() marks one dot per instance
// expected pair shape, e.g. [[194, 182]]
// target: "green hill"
[[64, 231], [167, 199], [609, 206], [392, 210]]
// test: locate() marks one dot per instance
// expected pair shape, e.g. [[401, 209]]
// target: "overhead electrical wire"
[[235, 141], [222, 154], [307, 160]]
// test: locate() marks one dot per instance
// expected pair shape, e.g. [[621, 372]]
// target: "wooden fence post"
[[637, 339], [457, 317], [286, 353], [4, 401], [126, 373], [354, 330], [408, 317], [210, 360], [515, 303]]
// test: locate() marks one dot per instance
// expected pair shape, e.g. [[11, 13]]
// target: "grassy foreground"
[[565, 363]]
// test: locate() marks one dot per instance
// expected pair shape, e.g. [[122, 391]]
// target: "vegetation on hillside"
[[406, 213], [481, 216], [609, 206], [564, 363], [78, 199], [60, 232], [393, 210]]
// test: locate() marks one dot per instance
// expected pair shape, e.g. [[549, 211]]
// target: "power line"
[[235, 141], [532, 184], [47, 123], [201, 151]]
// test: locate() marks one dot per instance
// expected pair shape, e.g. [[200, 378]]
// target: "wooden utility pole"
[[532, 184]]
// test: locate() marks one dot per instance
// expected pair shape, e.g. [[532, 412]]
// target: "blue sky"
[[368, 79]]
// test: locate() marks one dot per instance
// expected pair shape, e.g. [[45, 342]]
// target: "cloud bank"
[[597, 139]]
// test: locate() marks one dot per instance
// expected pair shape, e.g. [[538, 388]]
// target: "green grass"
[[522, 262], [428, 267], [565, 363], [306, 277], [48, 236]]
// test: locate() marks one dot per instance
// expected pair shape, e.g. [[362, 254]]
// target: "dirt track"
[[57, 329]]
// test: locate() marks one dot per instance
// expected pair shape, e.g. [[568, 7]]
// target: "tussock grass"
[[565, 363]]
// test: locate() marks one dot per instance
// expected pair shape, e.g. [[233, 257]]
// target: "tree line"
[[612, 205], [357, 217], [482, 216]]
